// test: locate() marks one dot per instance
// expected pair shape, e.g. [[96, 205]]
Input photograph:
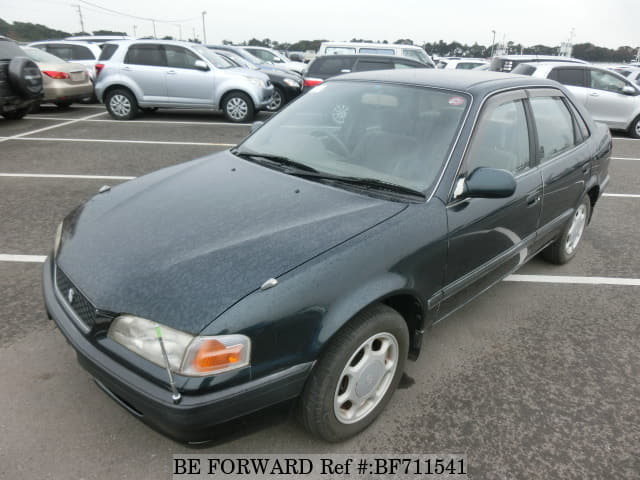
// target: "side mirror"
[[629, 90], [201, 65], [489, 183], [256, 125]]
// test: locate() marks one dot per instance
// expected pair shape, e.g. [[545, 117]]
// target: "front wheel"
[[238, 107], [565, 247], [277, 101], [16, 114], [356, 375], [634, 130], [121, 104]]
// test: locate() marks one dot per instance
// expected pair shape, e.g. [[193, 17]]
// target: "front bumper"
[[191, 419]]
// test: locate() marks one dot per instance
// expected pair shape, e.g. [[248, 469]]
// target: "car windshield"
[[249, 57], [38, 55], [416, 54], [215, 59], [391, 133], [237, 59]]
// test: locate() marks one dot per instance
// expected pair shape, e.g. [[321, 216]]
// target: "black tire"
[[63, 104], [25, 78], [121, 104], [277, 101], [316, 408], [559, 252], [16, 114], [634, 129], [238, 107]]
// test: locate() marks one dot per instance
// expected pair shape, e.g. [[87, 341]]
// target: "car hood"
[[247, 72], [183, 244]]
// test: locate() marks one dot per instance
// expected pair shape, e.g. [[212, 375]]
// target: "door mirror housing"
[[629, 90], [489, 183], [256, 125], [201, 65]]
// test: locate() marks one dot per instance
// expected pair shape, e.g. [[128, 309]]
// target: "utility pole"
[[154, 29], [180, 28], [135, 35], [204, 30], [493, 41], [81, 19]]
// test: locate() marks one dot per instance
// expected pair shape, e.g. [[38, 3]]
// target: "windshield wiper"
[[274, 160], [364, 182]]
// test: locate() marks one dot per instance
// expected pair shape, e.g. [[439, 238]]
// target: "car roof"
[[549, 58], [370, 56], [474, 82], [155, 41], [66, 42], [369, 44]]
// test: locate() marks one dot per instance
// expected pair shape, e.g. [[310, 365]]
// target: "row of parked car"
[[131, 75]]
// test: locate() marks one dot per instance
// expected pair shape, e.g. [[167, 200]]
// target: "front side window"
[[606, 81], [555, 127], [393, 133], [340, 51], [178, 57], [501, 139], [146, 54], [264, 55]]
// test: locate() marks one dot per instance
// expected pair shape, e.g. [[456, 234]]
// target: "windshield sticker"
[[456, 101]]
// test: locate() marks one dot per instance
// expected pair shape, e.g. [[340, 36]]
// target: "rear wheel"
[[64, 104], [238, 107], [121, 104], [356, 375], [277, 101], [634, 130], [565, 247], [16, 114]]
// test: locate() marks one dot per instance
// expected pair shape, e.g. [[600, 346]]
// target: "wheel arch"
[[231, 91]]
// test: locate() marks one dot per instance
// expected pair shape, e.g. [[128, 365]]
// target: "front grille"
[[81, 306]]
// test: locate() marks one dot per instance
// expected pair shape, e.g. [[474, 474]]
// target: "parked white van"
[[350, 48]]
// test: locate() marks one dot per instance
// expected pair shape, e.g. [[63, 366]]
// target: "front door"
[[186, 84], [605, 100], [488, 238]]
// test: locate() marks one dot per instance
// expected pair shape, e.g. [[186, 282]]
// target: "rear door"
[[564, 159], [606, 102], [187, 84], [490, 237], [575, 79], [366, 64], [146, 65]]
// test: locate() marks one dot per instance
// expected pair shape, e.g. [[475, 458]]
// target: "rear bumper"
[[192, 418], [64, 92]]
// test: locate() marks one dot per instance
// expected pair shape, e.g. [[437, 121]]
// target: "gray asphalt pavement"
[[532, 380]]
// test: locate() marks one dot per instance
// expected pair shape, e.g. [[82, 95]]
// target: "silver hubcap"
[[276, 101], [237, 108], [366, 378], [120, 105], [576, 229], [638, 128]]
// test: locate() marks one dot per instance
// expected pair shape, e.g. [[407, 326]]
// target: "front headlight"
[[188, 354], [291, 83], [57, 240], [256, 81]]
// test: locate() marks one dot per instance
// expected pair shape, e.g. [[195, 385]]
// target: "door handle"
[[533, 199], [171, 72], [594, 94]]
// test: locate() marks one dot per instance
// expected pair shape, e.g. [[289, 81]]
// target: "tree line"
[[31, 32]]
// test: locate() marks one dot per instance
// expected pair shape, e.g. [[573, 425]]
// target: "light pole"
[[135, 28], [204, 30], [493, 41]]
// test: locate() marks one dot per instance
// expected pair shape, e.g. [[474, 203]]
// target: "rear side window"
[[152, 55], [467, 65], [555, 126], [569, 76], [368, 65], [378, 51], [339, 51], [524, 69], [61, 50], [330, 66], [401, 64], [107, 51], [82, 53]]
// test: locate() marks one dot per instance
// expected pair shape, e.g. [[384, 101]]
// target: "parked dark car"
[[309, 260], [506, 63], [20, 81], [286, 85], [328, 66]]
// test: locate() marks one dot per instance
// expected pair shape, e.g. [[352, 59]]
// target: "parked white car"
[[276, 58], [609, 97], [460, 63], [85, 53], [351, 48]]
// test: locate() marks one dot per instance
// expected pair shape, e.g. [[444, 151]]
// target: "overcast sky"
[[611, 23]]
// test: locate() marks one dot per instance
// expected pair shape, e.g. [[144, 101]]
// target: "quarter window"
[[501, 139], [144, 54], [65, 52], [82, 53], [556, 133]]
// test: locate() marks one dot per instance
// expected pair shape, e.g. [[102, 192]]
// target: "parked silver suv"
[[609, 97], [167, 74]]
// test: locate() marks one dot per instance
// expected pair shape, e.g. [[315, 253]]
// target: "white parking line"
[[621, 195], [22, 258], [626, 158], [56, 175], [573, 280], [101, 140], [19, 136], [158, 122]]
